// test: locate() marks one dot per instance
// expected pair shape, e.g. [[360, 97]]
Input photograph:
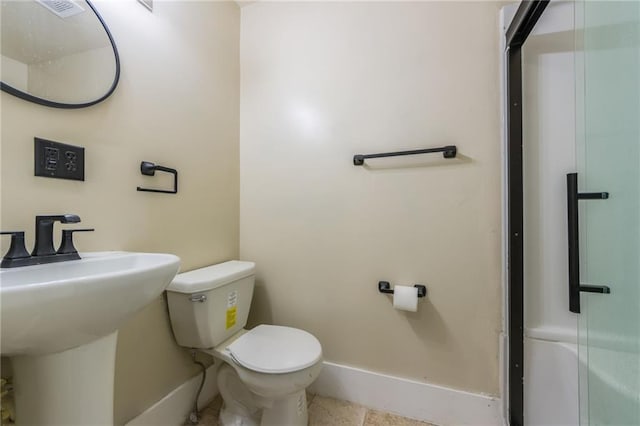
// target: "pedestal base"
[[74, 387]]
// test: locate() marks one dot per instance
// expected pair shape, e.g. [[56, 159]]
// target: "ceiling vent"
[[62, 8]]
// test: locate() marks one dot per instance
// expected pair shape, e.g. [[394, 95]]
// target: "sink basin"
[[54, 307], [59, 325]]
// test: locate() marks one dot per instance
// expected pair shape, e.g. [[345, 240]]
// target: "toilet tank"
[[211, 304]]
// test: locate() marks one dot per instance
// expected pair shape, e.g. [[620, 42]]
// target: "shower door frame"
[[523, 22]]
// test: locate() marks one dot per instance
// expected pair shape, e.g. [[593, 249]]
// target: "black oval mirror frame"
[[19, 93]]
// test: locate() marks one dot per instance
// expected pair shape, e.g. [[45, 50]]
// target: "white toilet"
[[267, 369]]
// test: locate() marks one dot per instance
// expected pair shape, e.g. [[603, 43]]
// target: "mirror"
[[57, 53]]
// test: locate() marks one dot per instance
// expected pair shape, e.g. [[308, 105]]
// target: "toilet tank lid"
[[211, 277]]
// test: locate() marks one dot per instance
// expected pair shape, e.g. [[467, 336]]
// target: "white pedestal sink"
[[59, 325]]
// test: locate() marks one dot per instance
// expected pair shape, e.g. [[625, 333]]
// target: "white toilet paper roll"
[[405, 298]]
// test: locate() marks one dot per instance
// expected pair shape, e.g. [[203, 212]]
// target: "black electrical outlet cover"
[[58, 160]]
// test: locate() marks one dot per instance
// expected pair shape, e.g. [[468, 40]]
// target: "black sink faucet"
[[43, 251], [44, 232]]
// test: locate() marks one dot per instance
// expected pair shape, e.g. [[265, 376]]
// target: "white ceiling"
[[243, 3], [32, 34]]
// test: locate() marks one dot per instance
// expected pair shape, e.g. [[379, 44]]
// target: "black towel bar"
[[449, 151]]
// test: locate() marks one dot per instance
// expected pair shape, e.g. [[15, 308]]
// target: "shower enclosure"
[[573, 195], [608, 153]]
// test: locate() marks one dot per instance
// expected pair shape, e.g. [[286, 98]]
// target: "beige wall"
[[177, 105], [15, 73], [56, 78], [323, 81]]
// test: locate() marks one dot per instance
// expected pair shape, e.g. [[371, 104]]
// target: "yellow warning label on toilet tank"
[[231, 316]]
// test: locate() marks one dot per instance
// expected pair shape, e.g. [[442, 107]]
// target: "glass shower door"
[[608, 159]]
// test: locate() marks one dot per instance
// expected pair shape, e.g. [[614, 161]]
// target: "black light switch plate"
[[58, 160]]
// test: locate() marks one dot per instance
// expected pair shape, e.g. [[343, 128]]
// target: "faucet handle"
[[67, 247], [17, 250]]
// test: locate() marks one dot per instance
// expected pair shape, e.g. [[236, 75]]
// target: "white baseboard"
[[408, 398], [174, 408]]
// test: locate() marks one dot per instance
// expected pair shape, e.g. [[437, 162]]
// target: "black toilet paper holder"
[[149, 169], [385, 287]]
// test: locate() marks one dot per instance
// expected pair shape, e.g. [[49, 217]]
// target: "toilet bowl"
[[265, 370], [275, 364]]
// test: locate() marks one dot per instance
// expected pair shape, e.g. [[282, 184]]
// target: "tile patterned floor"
[[328, 412]]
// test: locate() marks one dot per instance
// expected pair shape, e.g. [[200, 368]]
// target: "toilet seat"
[[275, 349]]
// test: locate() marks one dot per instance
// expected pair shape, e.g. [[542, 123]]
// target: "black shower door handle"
[[574, 242]]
